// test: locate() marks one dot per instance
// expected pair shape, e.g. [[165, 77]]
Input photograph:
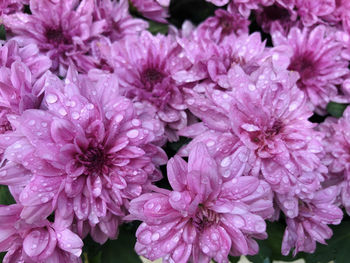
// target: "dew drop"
[[132, 134], [51, 98]]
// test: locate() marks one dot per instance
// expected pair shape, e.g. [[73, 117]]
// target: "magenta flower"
[[317, 59], [156, 10], [203, 217], [311, 225], [60, 29], [40, 242], [145, 67], [89, 148], [116, 19]]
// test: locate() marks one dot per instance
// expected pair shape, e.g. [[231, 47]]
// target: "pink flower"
[[261, 128], [145, 67], [310, 11], [245, 6], [212, 61], [317, 59], [60, 29], [203, 217], [156, 10], [11, 6], [280, 16], [219, 2], [116, 19], [21, 68], [337, 154], [89, 148], [222, 25], [311, 225], [40, 242]]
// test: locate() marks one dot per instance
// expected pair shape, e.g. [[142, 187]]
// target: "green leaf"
[[2, 32], [156, 28], [5, 196], [233, 259], [336, 109], [337, 248], [121, 249], [270, 248]]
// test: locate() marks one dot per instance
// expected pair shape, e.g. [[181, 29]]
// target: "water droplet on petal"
[[225, 162], [155, 236], [51, 98], [132, 134]]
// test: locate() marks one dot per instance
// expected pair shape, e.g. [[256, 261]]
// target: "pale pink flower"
[[317, 59], [203, 217], [89, 147]]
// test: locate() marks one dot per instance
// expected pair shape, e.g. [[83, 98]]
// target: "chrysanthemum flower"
[[40, 242], [310, 11], [223, 24], [337, 154], [311, 224], [145, 67], [89, 147], [280, 16], [317, 59], [212, 61], [11, 6], [156, 10], [203, 217], [261, 128], [60, 29], [20, 70], [117, 21]]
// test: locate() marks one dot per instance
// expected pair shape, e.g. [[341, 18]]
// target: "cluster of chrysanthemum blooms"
[[88, 97]]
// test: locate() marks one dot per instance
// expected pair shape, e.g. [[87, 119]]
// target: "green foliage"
[[156, 28], [119, 250], [5, 196], [270, 249], [336, 109], [2, 32]]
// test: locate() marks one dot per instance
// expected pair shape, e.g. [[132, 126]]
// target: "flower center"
[[150, 77], [268, 134], [205, 217], [275, 12], [5, 126], [304, 66], [94, 160], [56, 36]]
